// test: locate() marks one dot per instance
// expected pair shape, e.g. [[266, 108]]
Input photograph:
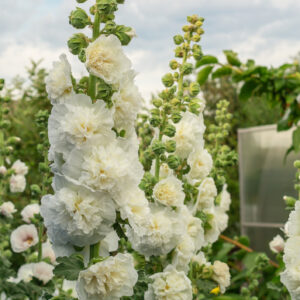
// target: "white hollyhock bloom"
[[43, 271], [76, 214], [110, 279], [164, 170], [17, 183], [59, 83], [201, 164], [3, 170], [20, 168], [189, 134], [169, 192], [200, 259], [221, 275], [212, 234], [277, 244], [7, 209], [159, 234], [109, 244], [291, 279], [169, 284], [105, 58], [225, 199], [29, 211], [104, 165], [291, 256], [127, 102], [77, 121], [70, 285], [207, 193], [47, 251], [293, 224], [25, 274], [23, 237]]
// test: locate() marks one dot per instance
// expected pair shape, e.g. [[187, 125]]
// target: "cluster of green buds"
[[223, 155], [180, 95]]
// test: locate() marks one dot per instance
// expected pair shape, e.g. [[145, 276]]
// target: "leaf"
[[296, 139], [229, 297], [232, 58], [222, 72], [223, 252], [284, 124], [69, 267], [123, 37], [247, 90], [206, 60], [203, 74]]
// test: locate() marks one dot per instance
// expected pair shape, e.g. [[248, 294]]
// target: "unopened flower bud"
[[77, 42], [199, 23], [207, 272], [192, 19], [173, 64], [194, 88], [297, 164], [82, 55], [173, 161], [13, 140], [176, 117], [79, 18], [186, 68], [4, 124], [158, 147], [157, 102], [186, 28], [200, 31], [170, 146], [35, 189], [196, 38], [168, 80], [2, 82], [179, 52], [169, 130], [289, 201]]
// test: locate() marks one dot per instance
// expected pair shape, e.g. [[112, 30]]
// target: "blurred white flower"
[[23, 237], [293, 223], [277, 244], [225, 199], [109, 244], [221, 275], [19, 167], [70, 285], [17, 183], [3, 170], [169, 192], [105, 58], [43, 271], [207, 194], [169, 284], [7, 209], [25, 274], [59, 83], [110, 279], [29, 211], [47, 251], [201, 164]]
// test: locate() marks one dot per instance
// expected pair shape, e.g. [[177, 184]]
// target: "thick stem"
[[40, 248], [94, 250]]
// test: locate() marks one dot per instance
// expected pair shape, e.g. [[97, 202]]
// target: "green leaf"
[[124, 38], [232, 58], [69, 267], [247, 90], [206, 60], [296, 139], [203, 74], [284, 124], [222, 72], [229, 297]]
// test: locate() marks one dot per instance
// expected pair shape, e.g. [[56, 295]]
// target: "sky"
[[265, 30]]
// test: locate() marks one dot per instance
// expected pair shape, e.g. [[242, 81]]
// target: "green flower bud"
[[155, 121], [35, 189], [170, 146], [93, 10], [2, 82], [168, 80], [179, 52], [157, 102], [175, 101], [43, 167], [77, 42], [4, 124], [167, 108], [199, 23], [198, 54], [200, 31], [82, 55], [186, 28], [13, 140], [163, 157], [186, 68], [81, 1], [289, 201], [5, 110], [192, 19], [207, 272], [194, 88], [176, 117], [79, 18], [155, 111], [158, 147], [176, 75], [196, 38], [187, 36], [173, 161], [173, 64], [178, 39], [297, 164], [169, 130]]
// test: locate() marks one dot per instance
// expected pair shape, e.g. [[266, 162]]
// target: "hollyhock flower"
[[201, 164], [76, 215], [221, 275], [291, 279], [47, 251], [169, 192], [23, 237], [29, 211], [207, 193], [59, 83], [105, 58], [25, 274], [3, 170], [293, 223], [189, 134], [110, 279], [7, 209], [20, 168], [164, 170], [109, 244], [77, 121], [17, 183], [277, 244], [169, 284], [43, 271], [225, 199], [157, 235]]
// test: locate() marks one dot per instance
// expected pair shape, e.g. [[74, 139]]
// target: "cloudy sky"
[[265, 30]]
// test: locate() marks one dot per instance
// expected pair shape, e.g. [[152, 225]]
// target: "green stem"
[[1, 147], [94, 250], [41, 231]]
